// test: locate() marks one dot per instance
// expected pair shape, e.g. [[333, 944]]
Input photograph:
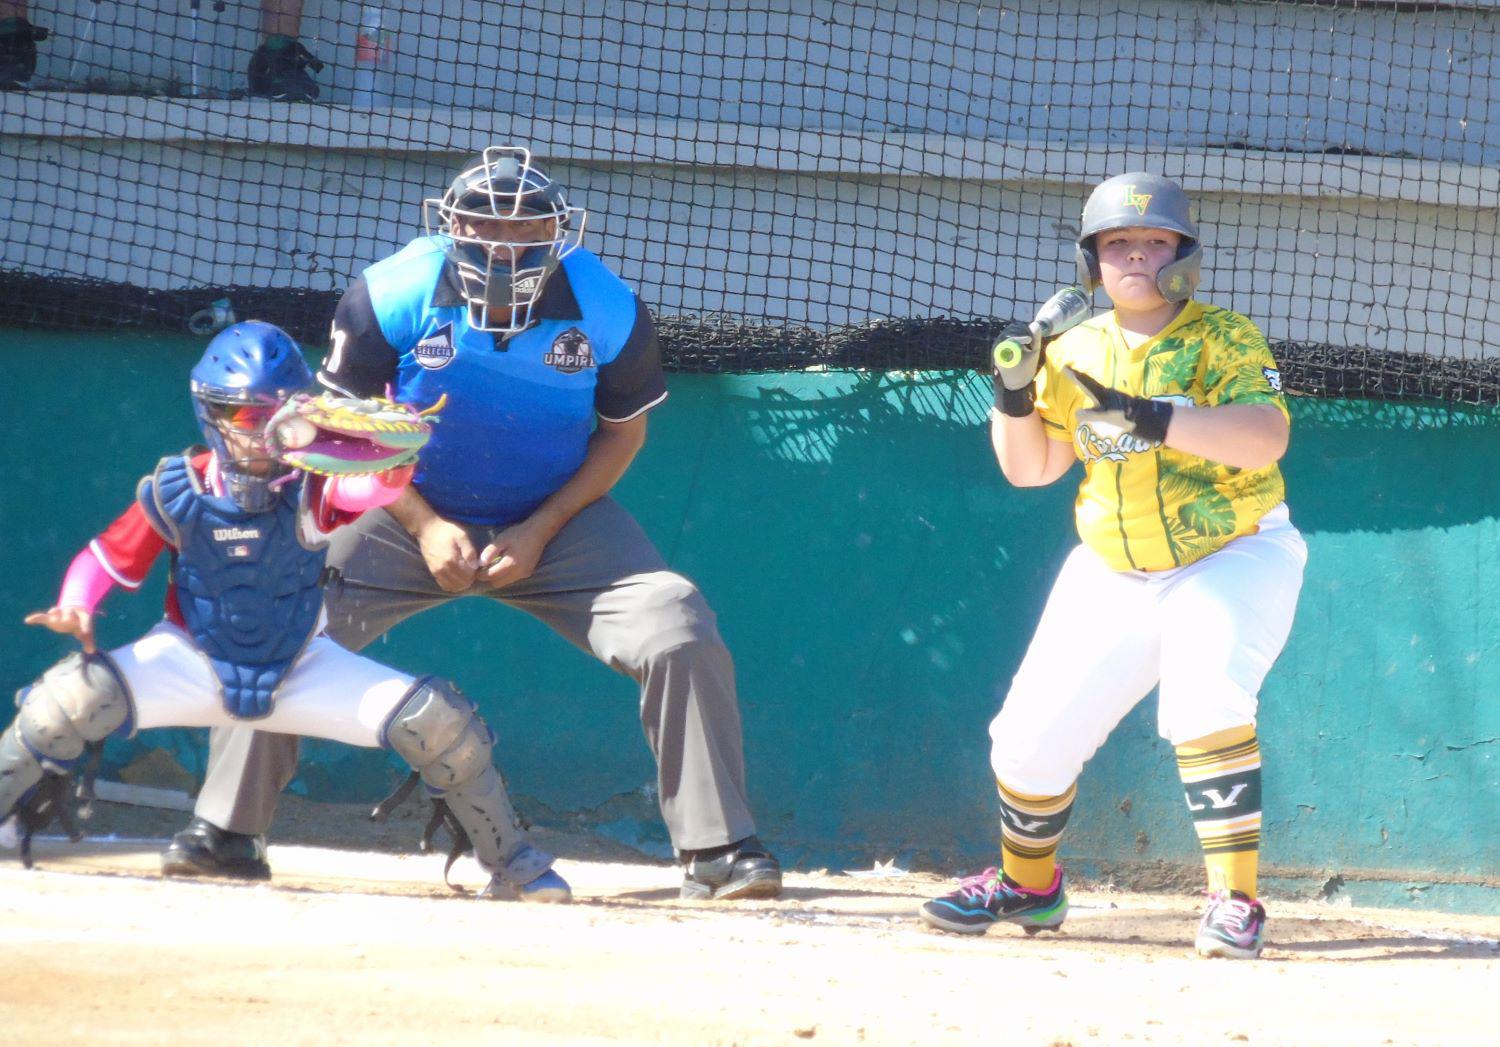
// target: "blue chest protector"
[[247, 587]]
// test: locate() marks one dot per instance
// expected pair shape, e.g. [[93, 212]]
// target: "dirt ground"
[[368, 946]]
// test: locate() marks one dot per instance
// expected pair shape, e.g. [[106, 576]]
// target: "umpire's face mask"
[[502, 264]]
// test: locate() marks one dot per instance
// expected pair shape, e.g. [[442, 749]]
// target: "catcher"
[[246, 520]]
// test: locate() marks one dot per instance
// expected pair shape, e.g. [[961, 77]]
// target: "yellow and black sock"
[[1221, 778], [1030, 829]]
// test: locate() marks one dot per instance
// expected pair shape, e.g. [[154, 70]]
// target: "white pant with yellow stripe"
[[1206, 634]]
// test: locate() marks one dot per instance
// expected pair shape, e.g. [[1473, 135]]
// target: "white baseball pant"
[[1206, 634], [330, 692]]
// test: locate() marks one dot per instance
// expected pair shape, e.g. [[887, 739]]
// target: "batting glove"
[[1016, 361], [1147, 419]]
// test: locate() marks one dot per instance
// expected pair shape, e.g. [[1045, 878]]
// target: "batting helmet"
[[1148, 201]]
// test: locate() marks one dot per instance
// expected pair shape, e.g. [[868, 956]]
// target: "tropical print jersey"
[[1143, 506]]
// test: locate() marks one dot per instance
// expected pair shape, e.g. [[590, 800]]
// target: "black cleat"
[[740, 870], [203, 849], [281, 68]]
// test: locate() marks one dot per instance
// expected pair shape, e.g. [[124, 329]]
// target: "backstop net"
[[788, 183]]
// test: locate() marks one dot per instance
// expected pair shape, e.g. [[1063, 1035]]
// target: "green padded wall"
[[878, 581]]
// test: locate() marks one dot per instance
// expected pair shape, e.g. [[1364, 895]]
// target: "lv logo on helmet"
[[1140, 201]]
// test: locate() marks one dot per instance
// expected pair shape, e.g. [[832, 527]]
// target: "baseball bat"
[[1063, 311]]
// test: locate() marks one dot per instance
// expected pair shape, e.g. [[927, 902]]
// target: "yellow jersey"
[[1143, 506]]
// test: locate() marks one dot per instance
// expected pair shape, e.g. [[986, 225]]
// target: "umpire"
[[550, 364]]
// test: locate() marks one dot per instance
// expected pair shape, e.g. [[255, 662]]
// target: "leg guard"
[[78, 701], [438, 731]]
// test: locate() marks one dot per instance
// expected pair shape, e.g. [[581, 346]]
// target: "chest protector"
[[248, 589]]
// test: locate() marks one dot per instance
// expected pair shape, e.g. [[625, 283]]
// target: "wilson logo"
[[235, 534]]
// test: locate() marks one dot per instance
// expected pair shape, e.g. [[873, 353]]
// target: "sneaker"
[[203, 849], [18, 40], [1233, 926], [549, 888], [990, 898], [279, 69], [740, 870]]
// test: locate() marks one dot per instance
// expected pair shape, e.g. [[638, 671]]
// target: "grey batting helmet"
[[1149, 201]]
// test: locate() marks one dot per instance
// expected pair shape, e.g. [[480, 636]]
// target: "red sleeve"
[[128, 547]]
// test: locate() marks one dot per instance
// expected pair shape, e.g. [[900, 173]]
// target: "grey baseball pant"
[[603, 586]]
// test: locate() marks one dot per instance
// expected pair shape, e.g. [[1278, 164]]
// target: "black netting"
[[789, 183]]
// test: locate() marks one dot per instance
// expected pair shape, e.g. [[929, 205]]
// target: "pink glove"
[[356, 494]]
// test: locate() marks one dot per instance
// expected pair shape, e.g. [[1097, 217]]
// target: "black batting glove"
[[1016, 363], [1147, 419]]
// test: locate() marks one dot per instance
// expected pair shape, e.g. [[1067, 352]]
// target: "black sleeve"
[[633, 381], [360, 361]]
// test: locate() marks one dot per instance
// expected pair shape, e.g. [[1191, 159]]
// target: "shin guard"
[[438, 731], [77, 701]]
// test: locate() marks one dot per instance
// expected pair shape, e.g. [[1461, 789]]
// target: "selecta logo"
[[436, 350]]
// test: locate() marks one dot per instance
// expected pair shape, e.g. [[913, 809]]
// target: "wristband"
[[1150, 418], [1015, 403]]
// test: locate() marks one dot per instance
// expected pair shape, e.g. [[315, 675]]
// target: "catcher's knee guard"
[[438, 731], [78, 701]]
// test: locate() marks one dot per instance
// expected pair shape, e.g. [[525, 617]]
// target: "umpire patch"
[[570, 352], [436, 350]]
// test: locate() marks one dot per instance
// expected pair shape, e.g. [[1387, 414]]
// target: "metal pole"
[[84, 41], [193, 61]]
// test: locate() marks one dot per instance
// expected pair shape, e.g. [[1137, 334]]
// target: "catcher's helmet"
[[501, 279], [1148, 201], [246, 373]]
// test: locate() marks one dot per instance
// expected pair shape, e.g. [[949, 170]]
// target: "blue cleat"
[[548, 887]]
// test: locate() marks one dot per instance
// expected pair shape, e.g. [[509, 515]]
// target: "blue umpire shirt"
[[520, 409]]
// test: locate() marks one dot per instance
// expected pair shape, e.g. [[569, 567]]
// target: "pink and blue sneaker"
[[989, 898], [1233, 926]]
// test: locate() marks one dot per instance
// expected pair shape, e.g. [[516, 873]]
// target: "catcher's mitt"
[[344, 436]]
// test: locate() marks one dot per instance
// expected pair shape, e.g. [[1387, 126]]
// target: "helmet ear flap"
[[1088, 264], [1179, 278]]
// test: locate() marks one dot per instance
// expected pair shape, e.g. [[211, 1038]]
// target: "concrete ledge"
[[654, 141]]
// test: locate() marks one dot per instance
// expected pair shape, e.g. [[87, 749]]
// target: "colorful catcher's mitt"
[[344, 436]]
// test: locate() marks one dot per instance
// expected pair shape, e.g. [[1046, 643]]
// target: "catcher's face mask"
[[236, 431], [246, 373], [509, 226], [243, 419]]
